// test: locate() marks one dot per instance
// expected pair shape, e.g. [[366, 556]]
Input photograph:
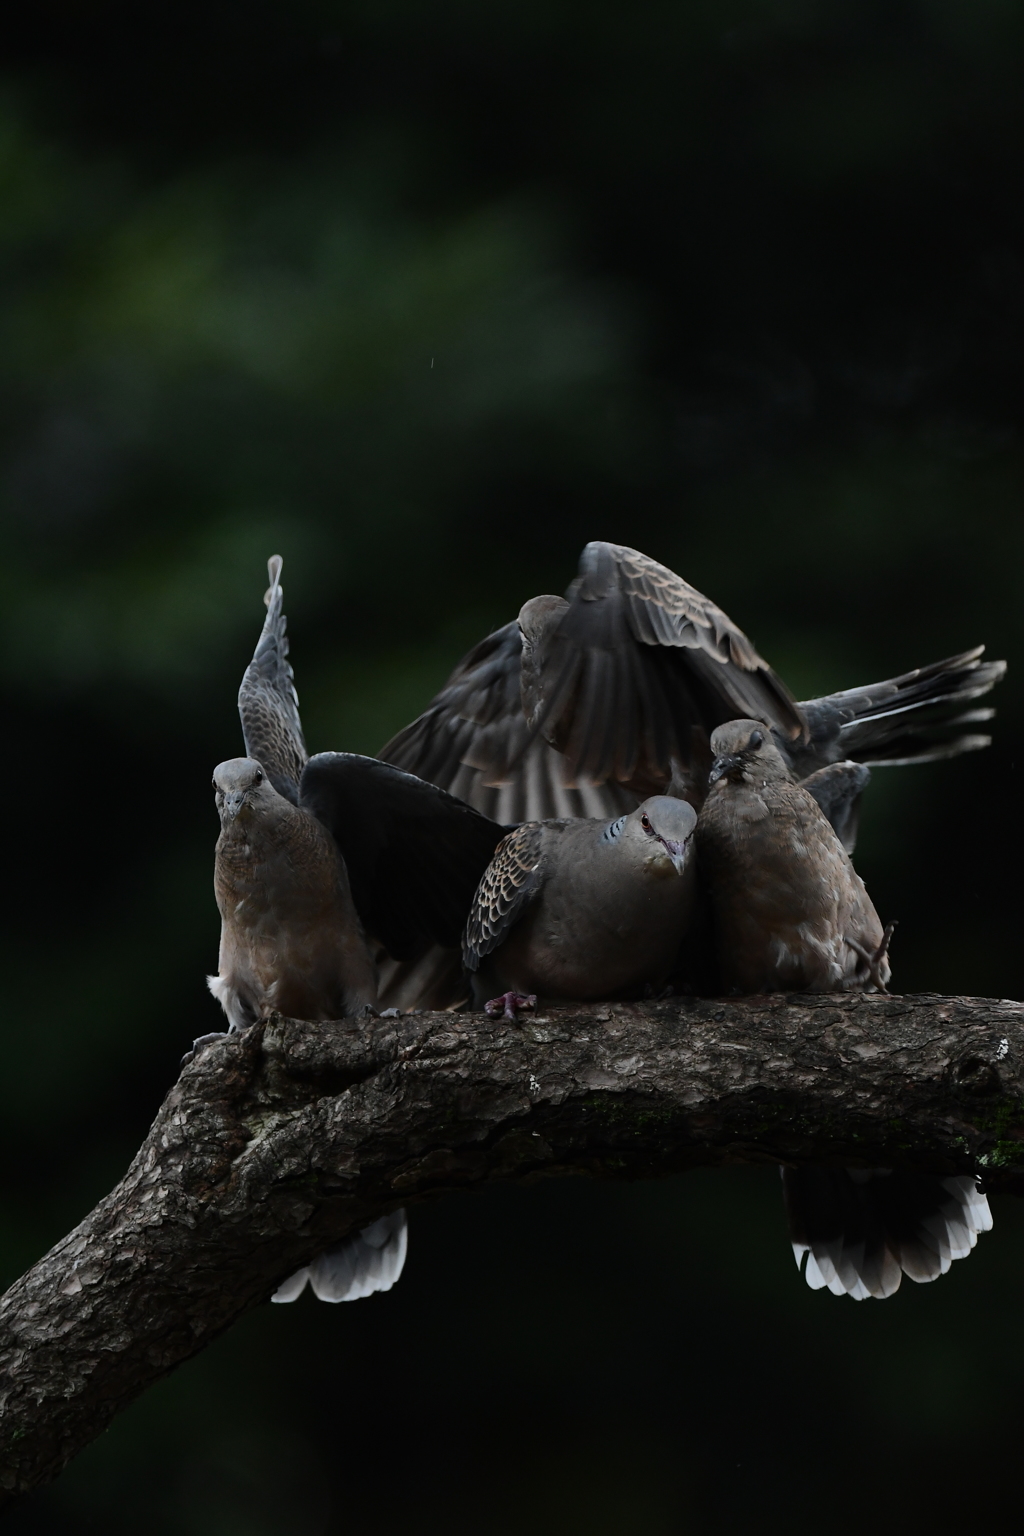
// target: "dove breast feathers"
[[791, 911], [290, 937]]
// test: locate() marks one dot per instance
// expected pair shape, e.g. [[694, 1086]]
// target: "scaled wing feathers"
[[663, 608], [267, 701], [511, 879]]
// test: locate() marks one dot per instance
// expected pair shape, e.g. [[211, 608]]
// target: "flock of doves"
[[612, 797]]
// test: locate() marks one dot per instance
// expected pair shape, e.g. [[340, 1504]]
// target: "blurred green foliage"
[[424, 298]]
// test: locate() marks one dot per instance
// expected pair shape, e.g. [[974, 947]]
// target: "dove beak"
[[723, 765], [233, 804], [676, 851]]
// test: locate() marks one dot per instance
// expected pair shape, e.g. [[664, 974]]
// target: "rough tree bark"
[[280, 1141]]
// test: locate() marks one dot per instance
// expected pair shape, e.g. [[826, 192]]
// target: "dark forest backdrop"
[[424, 297]]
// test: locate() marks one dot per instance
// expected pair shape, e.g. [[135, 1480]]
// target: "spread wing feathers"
[[434, 982], [918, 717], [837, 788], [476, 720], [538, 790], [414, 854], [637, 661], [474, 731], [267, 701], [370, 1261], [863, 1229], [511, 880]]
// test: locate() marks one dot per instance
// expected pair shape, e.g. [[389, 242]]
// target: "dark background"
[[425, 297]]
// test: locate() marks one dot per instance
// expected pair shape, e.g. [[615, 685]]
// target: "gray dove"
[[792, 914], [583, 909], [314, 854], [790, 910], [291, 940]]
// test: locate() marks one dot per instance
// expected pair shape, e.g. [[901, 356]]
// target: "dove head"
[[239, 785], [664, 826], [744, 751], [539, 621], [539, 616]]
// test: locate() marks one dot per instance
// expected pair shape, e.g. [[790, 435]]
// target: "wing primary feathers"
[[414, 853], [624, 675]]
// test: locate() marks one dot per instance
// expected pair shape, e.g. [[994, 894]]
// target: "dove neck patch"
[[613, 830]]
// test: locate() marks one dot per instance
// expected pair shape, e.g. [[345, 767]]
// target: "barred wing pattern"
[[473, 741], [638, 668]]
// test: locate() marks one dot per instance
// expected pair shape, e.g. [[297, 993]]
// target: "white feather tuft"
[[370, 1261]]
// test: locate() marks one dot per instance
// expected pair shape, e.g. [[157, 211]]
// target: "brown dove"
[[291, 940], [313, 854], [791, 913]]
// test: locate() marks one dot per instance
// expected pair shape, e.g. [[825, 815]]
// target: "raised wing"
[[594, 701], [637, 668], [414, 854], [267, 701], [511, 880], [473, 741]]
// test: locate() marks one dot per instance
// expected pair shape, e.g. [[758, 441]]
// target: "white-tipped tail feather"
[[862, 1230], [370, 1261]]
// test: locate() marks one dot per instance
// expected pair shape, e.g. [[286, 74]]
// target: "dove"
[[581, 909], [319, 862], [790, 911], [588, 703]]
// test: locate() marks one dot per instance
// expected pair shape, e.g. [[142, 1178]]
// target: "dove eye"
[[645, 823], [257, 777], [756, 739]]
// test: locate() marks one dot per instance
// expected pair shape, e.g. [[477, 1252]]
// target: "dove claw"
[[508, 1003], [200, 1042]]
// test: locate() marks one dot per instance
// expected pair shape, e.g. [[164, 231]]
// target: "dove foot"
[[508, 1003], [873, 957], [201, 1042]]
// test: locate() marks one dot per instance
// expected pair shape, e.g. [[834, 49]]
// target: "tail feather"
[[861, 1230], [918, 717], [370, 1261]]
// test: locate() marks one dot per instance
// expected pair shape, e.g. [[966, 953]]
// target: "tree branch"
[[278, 1142]]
